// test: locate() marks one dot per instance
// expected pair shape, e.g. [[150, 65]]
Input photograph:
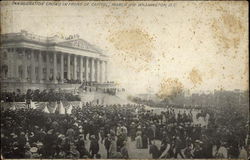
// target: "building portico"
[[32, 59]]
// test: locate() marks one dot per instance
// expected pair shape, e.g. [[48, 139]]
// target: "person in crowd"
[[80, 146], [107, 143], [49, 142], [138, 138], [188, 152], [222, 151], [102, 134], [198, 151], [94, 146], [165, 149], [178, 147], [144, 141], [73, 152], [28, 153], [124, 131], [119, 142], [233, 150], [153, 149], [70, 134], [132, 131], [243, 152], [113, 147], [124, 151]]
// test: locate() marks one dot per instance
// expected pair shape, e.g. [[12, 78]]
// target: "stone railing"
[[23, 35], [34, 37]]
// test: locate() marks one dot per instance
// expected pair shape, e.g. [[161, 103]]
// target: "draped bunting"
[[46, 110], [49, 107], [33, 105], [61, 108], [13, 107], [54, 109]]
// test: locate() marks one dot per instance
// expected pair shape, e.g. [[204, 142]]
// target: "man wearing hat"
[[49, 142], [94, 146], [133, 131], [178, 147], [198, 152], [80, 146], [107, 143]]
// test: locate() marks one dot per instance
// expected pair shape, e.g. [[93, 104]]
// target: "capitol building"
[[30, 61]]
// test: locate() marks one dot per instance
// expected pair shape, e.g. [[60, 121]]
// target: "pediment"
[[79, 44]]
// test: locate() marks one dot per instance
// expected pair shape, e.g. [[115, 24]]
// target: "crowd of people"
[[92, 87], [30, 133], [72, 81], [39, 96], [161, 104]]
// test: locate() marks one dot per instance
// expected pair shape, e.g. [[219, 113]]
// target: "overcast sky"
[[204, 45]]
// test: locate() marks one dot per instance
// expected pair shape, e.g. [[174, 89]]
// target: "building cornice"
[[25, 39]]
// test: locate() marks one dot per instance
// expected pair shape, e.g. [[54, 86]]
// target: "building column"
[[12, 63], [40, 66], [15, 63], [101, 71], [48, 66], [92, 66], [75, 67], [106, 71], [81, 68], [9, 64], [55, 68], [33, 66], [86, 69], [62, 68], [24, 66], [68, 63], [97, 70]]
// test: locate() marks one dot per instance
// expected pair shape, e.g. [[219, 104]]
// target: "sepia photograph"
[[124, 80]]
